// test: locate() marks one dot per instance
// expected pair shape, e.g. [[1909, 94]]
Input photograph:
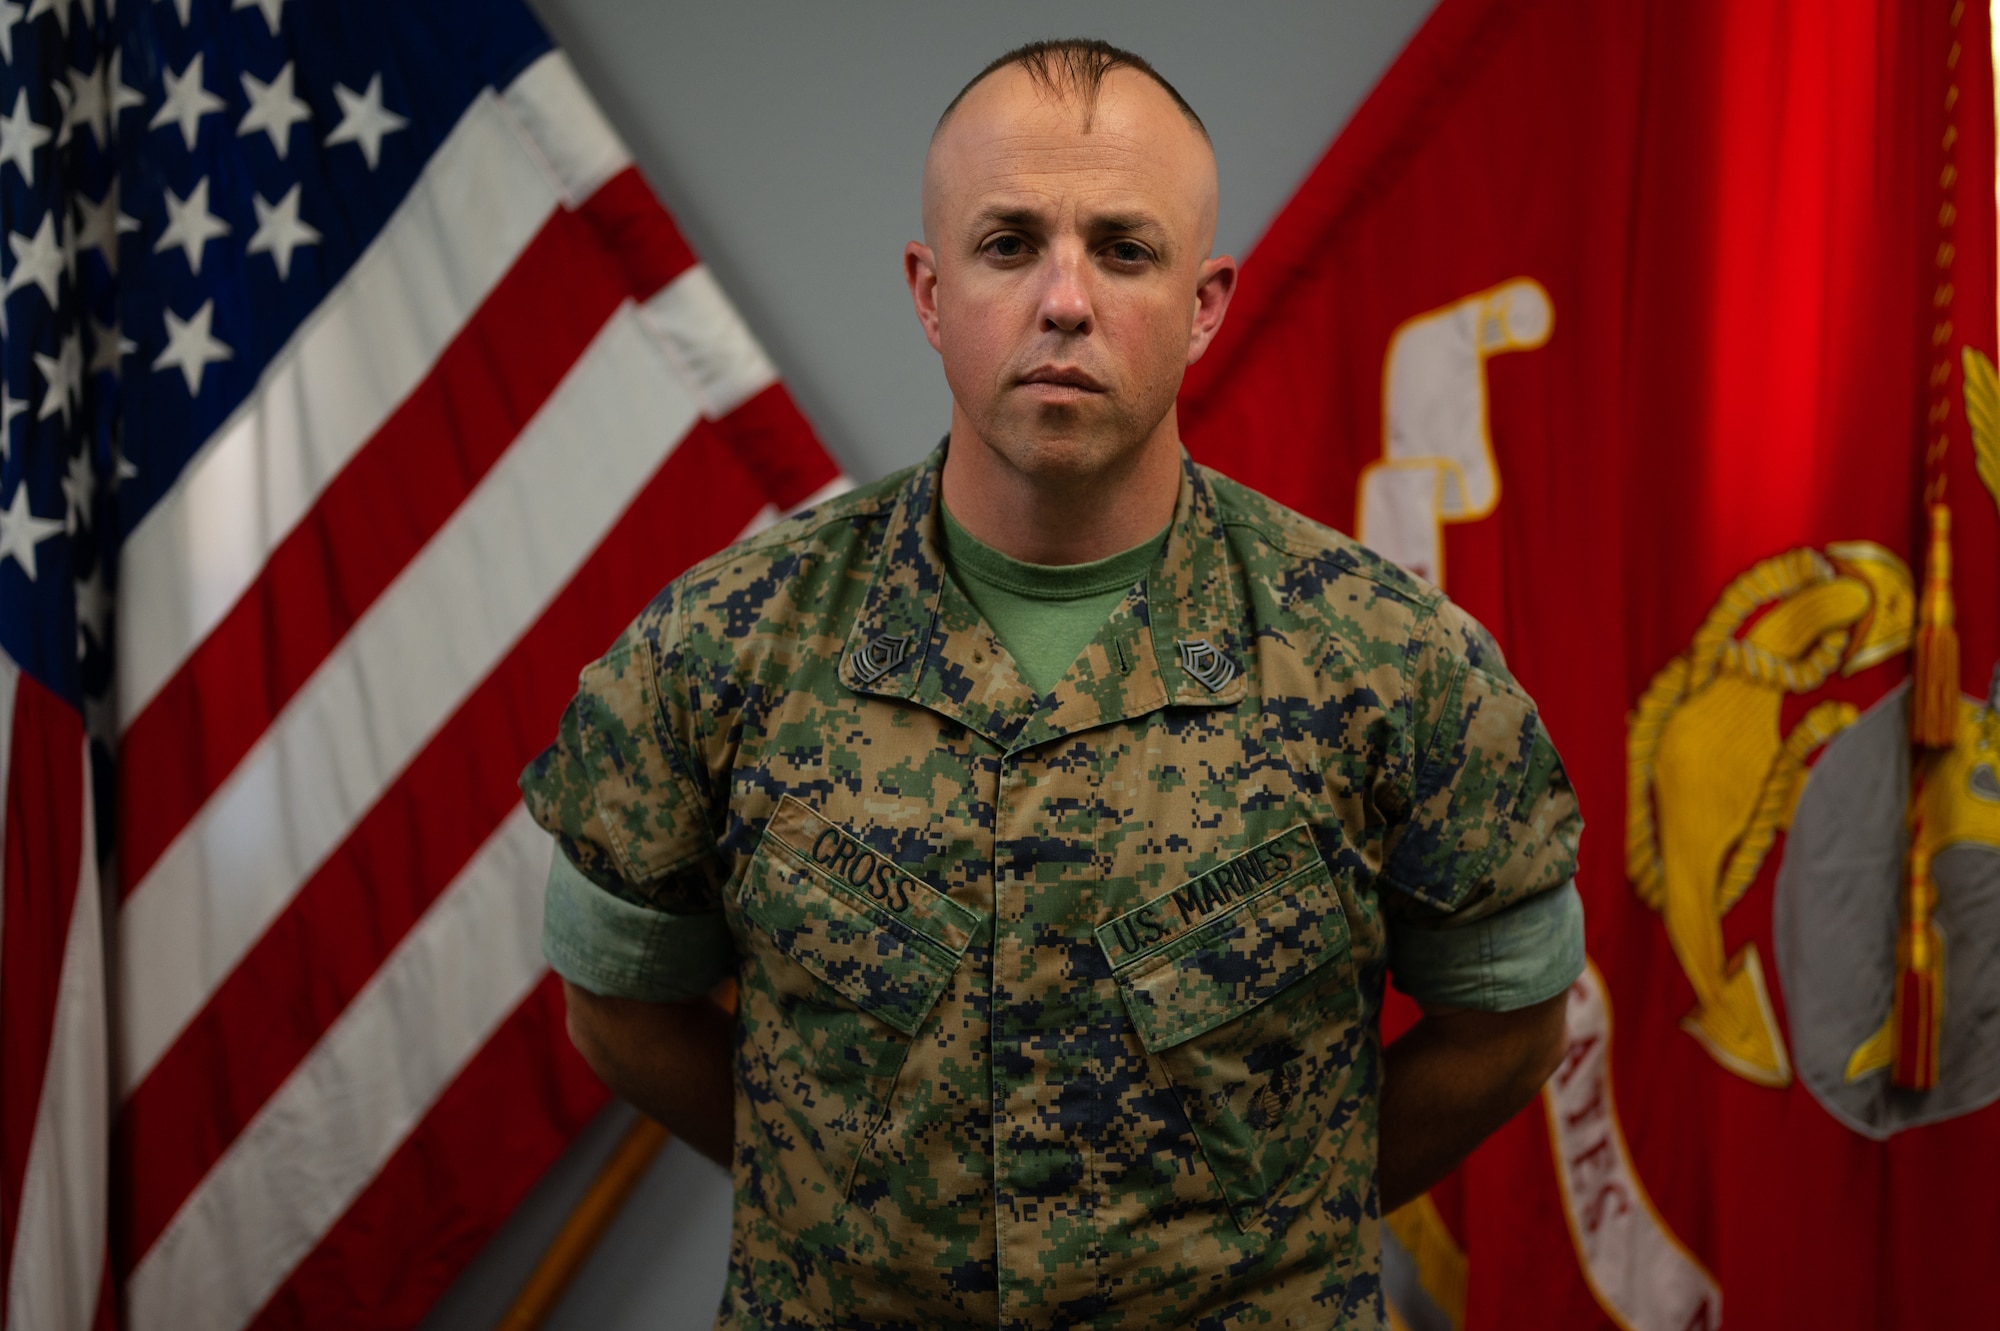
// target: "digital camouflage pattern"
[[1054, 1011]]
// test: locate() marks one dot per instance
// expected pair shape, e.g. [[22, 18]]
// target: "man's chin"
[[1065, 454]]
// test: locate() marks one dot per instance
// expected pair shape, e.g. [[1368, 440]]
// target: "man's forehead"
[[1101, 166], [1010, 133]]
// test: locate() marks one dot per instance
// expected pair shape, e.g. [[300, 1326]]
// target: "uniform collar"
[[1179, 641]]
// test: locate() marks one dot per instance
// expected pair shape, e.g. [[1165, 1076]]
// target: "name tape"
[[1206, 896]]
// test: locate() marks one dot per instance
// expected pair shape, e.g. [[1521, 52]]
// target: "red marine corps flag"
[[1661, 335]]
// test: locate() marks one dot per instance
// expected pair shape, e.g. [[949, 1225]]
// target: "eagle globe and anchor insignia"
[[1713, 777]]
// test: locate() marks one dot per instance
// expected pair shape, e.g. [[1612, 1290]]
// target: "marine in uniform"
[[1059, 959]]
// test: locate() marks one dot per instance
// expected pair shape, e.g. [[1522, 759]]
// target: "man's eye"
[[1128, 251], [1006, 247]]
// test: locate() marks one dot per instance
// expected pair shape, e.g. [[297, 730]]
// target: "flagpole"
[[585, 1226], [594, 1213]]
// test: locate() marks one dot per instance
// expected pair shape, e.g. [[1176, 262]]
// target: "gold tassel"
[[1919, 1001], [1919, 1004], [1934, 675]]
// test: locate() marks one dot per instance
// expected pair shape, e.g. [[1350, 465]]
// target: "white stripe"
[[329, 1129], [480, 200], [559, 117], [58, 1260], [454, 612], [709, 341]]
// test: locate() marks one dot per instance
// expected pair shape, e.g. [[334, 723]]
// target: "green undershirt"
[[1044, 614]]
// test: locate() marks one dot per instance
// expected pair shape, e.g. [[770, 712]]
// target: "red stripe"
[[637, 232], [106, 1316], [42, 862], [438, 1199], [363, 530], [319, 952], [772, 440]]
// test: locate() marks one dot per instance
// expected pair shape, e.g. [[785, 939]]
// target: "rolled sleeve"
[[634, 905], [615, 788], [1487, 815], [1514, 958], [614, 947]]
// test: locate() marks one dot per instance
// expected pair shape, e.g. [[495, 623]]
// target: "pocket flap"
[[878, 935], [1188, 961]]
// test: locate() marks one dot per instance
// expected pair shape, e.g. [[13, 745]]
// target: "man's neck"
[[1065, 518]]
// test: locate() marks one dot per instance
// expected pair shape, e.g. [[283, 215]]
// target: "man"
[[1059, 807]]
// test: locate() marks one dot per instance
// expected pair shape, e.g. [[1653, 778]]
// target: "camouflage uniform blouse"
[[1055, 1011]]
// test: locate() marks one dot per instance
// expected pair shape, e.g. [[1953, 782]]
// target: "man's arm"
[[672, 1060], [1452, 1079]]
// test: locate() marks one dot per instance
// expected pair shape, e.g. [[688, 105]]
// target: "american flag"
[[356, 391]]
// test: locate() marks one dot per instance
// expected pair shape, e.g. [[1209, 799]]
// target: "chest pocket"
[[1240, 984], [846, 956]]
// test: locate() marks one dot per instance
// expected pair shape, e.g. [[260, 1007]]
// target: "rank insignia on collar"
[[882, 653], [1211, 669]]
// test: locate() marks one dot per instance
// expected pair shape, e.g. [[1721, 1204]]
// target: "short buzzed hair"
[[1074, 67]]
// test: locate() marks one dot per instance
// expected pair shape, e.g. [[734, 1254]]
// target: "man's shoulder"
[[1325, 576], [1316, 571]]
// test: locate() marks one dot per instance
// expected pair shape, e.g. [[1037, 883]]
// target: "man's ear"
[[920, 271], [1211, 302]]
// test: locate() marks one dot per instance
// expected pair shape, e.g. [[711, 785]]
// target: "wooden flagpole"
[[643, 1142], [585, 1226]]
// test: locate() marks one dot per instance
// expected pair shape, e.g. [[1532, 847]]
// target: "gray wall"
[[787, 138]]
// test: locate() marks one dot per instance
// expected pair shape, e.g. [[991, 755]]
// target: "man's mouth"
[[1061, 376]]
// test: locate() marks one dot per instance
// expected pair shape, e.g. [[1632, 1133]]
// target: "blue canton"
[[182, 182]]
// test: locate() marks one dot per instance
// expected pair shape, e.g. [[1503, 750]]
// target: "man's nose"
[[1066, 297]]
